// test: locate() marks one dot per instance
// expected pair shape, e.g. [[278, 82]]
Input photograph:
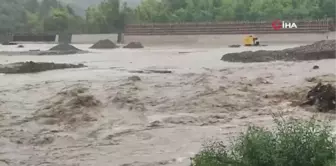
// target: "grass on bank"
[[291, 143]]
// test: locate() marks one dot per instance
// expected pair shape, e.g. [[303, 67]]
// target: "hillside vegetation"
[[54, 16], [80, 6], [291, 143]]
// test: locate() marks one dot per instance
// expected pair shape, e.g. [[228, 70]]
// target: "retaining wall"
[[6, 38], [92, 38], [237, 27], [23, 37]]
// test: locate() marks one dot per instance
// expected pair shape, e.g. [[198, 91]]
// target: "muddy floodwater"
[[115, 113]]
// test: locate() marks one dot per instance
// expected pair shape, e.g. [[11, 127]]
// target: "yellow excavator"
[[251, 41]]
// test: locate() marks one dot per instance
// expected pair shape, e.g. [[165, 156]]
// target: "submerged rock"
[[134, 45], [316, 67], [234, 45], [134, 78]]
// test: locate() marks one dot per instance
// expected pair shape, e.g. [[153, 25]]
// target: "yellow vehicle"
[[251, 41]]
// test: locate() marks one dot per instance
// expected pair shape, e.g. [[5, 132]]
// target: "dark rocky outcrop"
[[319, 50]]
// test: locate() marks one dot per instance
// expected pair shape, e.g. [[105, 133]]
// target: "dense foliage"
[[35, 16], [218, 10], [110, 15], [292, 143]]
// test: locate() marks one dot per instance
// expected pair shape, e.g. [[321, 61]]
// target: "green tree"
[[96, 21], [47, 5], [12, 16], [328, 8], [33, 24], [110, 16], [32, 5], [57, 21], [230, 10]]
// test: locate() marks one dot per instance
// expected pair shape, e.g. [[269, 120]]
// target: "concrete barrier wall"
[[92, 38], [6, 38], [219, 40], [203, 40], [34, 37], [235, 27]]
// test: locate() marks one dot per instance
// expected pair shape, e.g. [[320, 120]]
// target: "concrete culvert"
[[33, 67], [134, 45], [104, 44]]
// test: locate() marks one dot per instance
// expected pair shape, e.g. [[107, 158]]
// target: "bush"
[[291, 143]]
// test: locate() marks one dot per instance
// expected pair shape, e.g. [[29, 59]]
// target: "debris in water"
[[323, 96], [234, 45], [151, 71], [134, 45], [134, 78], [183, 52], [316, 67], [160, 71]]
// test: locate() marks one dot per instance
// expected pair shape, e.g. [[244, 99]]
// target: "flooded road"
[[99, 116]]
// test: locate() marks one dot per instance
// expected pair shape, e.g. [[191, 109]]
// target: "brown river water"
[[97, 116]]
